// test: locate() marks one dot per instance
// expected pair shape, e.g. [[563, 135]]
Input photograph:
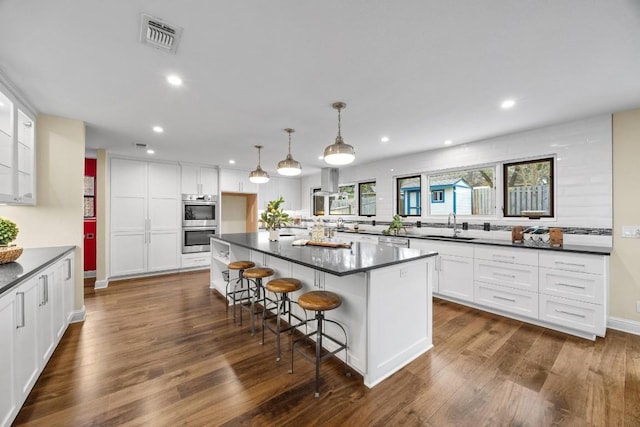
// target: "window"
[[528, 188], [408, 194], [367, 194], [317, 203], [437, 196], [344, 203], [464, 192]]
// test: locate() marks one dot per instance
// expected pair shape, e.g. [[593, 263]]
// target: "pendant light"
[[288, 166], [339, 153], [259, 176]]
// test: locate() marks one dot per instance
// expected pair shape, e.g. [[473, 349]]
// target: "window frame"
[[441, 199], [340, 187], [313, 201], [552, 183], [360, 184], [419, 192]]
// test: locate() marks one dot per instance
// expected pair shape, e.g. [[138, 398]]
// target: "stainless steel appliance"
[[199, 210], [196, 239], [400, 242]]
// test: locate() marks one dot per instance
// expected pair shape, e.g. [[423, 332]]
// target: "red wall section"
[[90, 167]]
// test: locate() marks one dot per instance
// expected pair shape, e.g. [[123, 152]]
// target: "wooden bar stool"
[[320, 301], [241, 266], [256, 275], [281, 287]]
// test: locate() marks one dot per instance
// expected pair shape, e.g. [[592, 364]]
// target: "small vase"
[[274, 235]]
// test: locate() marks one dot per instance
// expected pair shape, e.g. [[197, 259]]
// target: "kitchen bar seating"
[[240, 266], [281, 287], [256, 274], [320, 301]]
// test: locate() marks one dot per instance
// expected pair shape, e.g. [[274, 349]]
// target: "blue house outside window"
[[437, 196]]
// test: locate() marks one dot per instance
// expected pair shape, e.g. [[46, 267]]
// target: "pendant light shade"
[[289, 166], [258, 176], [339, 153]]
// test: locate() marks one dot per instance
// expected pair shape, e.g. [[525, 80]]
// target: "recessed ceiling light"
[[1, 104], [158, 129], [448, 142], [232, 162], [150, 151], [320, 157], [507, 103], [174, 80], [384, 139]]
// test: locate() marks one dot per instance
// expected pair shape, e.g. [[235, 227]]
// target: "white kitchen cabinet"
[[453, 268], [145, 217], [8, 388], [199, 179], [573, 291], [17, 151], [236, 181], [288, 188], [32, 320]]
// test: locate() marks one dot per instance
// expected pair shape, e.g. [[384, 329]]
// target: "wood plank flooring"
[[163, 351]]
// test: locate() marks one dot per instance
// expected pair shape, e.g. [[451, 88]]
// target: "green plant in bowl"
[[8, 231]]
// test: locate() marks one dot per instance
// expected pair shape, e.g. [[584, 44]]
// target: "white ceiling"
[[418, 71]]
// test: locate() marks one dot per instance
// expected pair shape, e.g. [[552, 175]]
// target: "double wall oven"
[[199, 221]]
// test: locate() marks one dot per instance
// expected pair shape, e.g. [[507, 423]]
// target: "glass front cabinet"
[[17, 151]]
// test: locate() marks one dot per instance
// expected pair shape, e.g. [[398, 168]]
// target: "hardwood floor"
[[163, 351]]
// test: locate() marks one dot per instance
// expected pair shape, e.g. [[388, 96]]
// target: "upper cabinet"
[[17, 152], [236, 181], [288, 188], [199, 179]]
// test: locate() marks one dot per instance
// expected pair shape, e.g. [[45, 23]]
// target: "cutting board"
[[329, 244]]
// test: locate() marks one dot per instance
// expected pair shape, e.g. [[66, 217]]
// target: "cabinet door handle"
[[504, 299], [46, 290], [68, 260], [510, 276], [570, 313], [573, 264], [42, 299], [22, 319], [570, 285]]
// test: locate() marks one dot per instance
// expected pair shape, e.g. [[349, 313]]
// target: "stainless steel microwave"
[[199, 210]]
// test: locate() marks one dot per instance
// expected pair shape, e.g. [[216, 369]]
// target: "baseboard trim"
[[624, 325], [78, 315], [89, 274], [101, 284]]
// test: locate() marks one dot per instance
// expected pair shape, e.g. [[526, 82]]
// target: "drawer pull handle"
[[573, 264], [504, 299], [570, 313], [511, 276], [570, 285], [504, 257]]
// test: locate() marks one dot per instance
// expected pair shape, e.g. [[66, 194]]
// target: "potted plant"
[[274, 217], [8, 233], [395, 226]]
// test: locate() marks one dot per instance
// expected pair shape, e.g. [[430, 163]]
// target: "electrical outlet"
[[638, 306], [631, 231]]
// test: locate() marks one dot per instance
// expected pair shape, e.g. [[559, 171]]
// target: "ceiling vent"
[[159, 34], [141, 145]]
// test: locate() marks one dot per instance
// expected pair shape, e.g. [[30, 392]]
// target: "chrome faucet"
[[455, 224]]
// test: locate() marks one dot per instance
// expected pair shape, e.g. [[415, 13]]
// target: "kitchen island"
[[386, 293]]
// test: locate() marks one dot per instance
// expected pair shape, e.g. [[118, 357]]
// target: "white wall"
[[234, 214], [57, 219], [583, 169]]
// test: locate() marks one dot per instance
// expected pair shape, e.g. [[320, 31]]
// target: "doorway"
[[238, 213]]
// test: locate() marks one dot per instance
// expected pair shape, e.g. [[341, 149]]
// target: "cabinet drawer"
[[200, 261], [515, 301], [573, 314], [568, 284], [455, 249], [583, 263], [507, 255], [513, 275]]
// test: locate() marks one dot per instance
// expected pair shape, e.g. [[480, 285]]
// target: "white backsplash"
[[583, 173]]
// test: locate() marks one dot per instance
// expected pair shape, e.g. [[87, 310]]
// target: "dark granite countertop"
[[337, 261], [583, 249], [30, 262]]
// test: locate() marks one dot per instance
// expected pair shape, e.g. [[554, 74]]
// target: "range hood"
[[329, 180]]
